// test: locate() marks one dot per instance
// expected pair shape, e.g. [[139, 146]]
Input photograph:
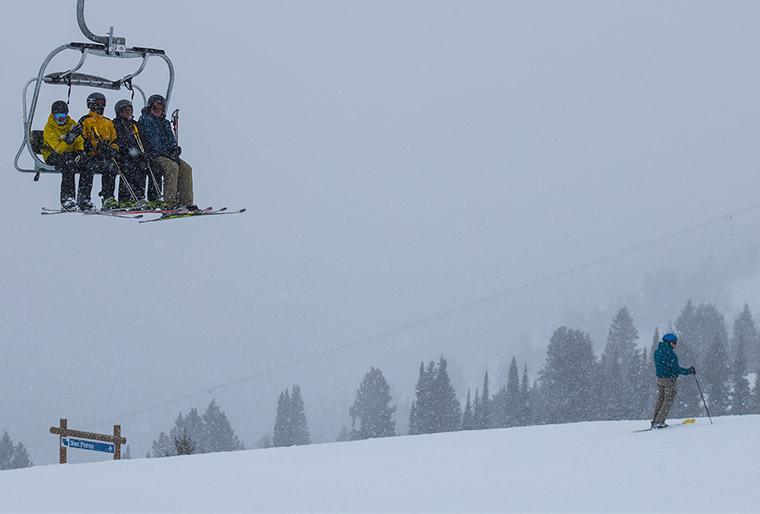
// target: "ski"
[[688, 421], [50, 212], [162, 212], [193, 214]]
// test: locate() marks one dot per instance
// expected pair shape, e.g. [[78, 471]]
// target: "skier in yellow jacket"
[[100, 141], [64, 149]]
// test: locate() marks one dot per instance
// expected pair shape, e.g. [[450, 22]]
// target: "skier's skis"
[[114, 214], [688, 421], [192, 214]]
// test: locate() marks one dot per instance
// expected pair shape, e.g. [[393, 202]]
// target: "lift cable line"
[[727, 217]]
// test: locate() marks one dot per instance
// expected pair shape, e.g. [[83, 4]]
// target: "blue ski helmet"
[[670, 337]]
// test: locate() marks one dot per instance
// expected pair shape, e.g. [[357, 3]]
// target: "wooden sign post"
[[84, 440]]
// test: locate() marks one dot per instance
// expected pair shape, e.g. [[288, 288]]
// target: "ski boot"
[[68, 204], [110, 203]]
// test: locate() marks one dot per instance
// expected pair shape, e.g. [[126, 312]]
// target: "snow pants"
[[135, 170], [666, 393], [108, 172], [65, 164], [178, 181]]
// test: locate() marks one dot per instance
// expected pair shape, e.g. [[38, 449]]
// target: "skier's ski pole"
[[147, 162], [175, 124], [703, 398], [124, 179]]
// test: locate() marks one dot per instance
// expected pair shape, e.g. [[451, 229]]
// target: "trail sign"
[[82, 444], [86, 440]]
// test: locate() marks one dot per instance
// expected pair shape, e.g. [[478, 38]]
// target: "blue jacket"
[[666, 362], [156, 134]]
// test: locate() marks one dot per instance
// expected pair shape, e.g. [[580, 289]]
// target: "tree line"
[[573, 385]]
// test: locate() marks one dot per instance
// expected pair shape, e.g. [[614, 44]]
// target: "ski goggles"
[[60, 116]]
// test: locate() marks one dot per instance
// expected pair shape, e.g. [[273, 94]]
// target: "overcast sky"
[[398, 159]]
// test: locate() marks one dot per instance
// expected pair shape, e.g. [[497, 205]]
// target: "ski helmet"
[[670, 337], [156, 99], [59, 107], [96, 102], [121, 105]]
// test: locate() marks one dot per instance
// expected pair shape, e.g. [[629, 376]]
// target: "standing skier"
[[164, 153], [64, 148], [667, 369], [100, 140]]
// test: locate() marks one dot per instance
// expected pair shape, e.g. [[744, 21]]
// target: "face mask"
[[60, 117]]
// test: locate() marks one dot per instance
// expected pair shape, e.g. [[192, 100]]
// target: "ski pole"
[[124, 179], [118, 169], [147, 162], [703, 398]]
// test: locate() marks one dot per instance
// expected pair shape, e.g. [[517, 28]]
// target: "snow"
[[582, 467]]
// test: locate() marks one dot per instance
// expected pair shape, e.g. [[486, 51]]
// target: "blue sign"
[[83, 444]]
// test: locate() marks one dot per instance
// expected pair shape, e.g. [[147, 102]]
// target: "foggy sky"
[[398, 159]]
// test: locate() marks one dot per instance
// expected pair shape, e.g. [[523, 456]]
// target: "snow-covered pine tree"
[[283, 425], [6, 451], [20, 458], [447, 411], [218, 433], [477, 410], [298, 417], [467, 415], [567, 379], [687, 402], [744, 337], [163, 446], [184, 444], [421, 416], [372, 407], [716, 367], [525, 408], [483, 419]]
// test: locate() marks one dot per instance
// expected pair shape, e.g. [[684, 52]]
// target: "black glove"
[[692, 370], [74, 133], [175, 153]]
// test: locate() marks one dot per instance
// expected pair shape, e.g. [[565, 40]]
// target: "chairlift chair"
[[103, 46]]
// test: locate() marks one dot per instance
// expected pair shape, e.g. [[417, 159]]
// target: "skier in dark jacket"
[[667, 370], [132, 158], [164, 153]]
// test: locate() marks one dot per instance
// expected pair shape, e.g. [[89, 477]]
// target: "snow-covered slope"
[[584, 467]]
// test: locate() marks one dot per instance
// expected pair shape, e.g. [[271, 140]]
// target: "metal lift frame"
[[102, 46]]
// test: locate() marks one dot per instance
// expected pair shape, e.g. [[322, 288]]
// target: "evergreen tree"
[[567, 379], [716, 367], [372, 407], [448, 413], [218, 433], [264, 441], [744, 337], [6, 451], [184, 444], [467, 420], [283, 435], [163, 446], [298, 416], [477, 410], [127, 453], [20, 458], [436, 408], [290, 427], [618, 366], [525, 406], [643, 386], [514, 407], [687, 402], [483, 421]]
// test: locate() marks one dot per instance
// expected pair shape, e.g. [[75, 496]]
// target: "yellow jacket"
[[97, 128], [53, 138]]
